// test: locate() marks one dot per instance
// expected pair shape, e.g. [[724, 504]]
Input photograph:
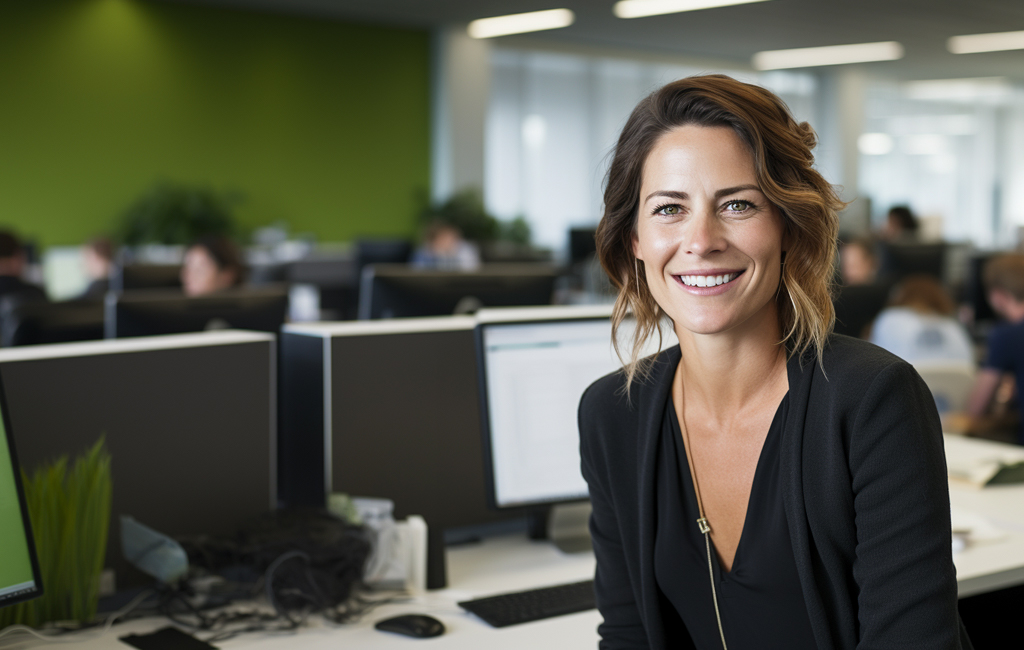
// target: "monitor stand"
[[564, 525]]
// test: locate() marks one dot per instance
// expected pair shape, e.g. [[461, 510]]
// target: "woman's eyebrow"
[[733, 190], [683, 196]]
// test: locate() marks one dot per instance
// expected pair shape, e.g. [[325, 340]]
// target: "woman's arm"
[[904, 566], [622, 627]]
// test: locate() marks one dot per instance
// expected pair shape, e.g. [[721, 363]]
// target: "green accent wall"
[[318, 123]]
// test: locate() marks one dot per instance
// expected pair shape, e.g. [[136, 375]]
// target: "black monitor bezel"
[[377, 276], [115, 328], [485, 420], [19, 597]]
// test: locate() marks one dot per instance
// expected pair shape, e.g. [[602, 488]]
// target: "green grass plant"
[[69, 507]]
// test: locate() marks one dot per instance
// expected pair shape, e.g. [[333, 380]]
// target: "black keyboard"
[[533, 605]]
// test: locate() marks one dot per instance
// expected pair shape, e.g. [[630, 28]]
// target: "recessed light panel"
[[533, 21], [809, 57], [996, 42], [640, 8]]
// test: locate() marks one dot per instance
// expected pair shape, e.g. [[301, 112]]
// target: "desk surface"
[[514, 563], [989, 565], [496, 565]]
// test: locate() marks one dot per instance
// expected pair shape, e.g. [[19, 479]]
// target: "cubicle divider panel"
[[190, 429], [405, 422], [405, 425]]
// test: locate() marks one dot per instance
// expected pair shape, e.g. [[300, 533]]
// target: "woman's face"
[[200, 274], [710, 241]]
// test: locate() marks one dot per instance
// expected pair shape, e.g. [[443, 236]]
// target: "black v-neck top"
[[760, 600]]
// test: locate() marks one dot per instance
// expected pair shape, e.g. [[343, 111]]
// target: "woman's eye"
[[669, 210], [737, 206]]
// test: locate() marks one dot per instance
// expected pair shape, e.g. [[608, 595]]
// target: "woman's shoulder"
[[845, 354], [855, 375], [609, 395], [849, 365]]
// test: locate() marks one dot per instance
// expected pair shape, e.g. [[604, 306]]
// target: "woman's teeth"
[[707, 280]]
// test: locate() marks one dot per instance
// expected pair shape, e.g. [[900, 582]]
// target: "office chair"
[[950, 383]]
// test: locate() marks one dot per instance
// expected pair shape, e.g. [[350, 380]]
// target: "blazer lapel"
[[652, 395], [802, 372]]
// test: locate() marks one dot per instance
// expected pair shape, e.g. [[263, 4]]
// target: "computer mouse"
[[419, 626]]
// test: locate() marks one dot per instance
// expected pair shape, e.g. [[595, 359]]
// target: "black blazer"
[[866, 498]]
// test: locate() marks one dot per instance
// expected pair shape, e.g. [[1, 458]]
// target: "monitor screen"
[[130, 277], [156, 312], [532, 376], [19, 570], [391, 291]]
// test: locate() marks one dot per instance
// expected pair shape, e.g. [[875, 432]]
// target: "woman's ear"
[[636, 248]]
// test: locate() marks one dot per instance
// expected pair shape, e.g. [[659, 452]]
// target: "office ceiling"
[[728, 34]]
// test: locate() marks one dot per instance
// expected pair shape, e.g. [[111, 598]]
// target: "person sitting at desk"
[[1004, 282], [212, 263], [444, 249], [12, 268], [858, 262], [97, 257], [901, 225], [764, 483], [918, 324]]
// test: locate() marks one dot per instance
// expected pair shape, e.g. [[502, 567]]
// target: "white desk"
[[494, 566], [987, 566], [514, 563]]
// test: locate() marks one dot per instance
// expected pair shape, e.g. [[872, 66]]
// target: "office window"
[[951, 149], [554, 118]]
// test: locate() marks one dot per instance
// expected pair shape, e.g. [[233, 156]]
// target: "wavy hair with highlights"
[[781, 149]]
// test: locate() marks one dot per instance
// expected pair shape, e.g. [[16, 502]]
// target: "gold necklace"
[[702, 522]]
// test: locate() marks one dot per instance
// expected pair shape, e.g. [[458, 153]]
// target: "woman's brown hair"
[[781, 149]]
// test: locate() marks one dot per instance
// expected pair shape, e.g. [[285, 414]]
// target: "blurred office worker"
[[918, 325], [212, 264], [1004, 282], [858, 262], [97, 257], [12, 267]]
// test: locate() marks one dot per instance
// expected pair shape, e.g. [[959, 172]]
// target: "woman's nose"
[[705, 234]]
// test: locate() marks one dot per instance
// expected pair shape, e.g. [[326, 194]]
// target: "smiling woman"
[[812, 464]]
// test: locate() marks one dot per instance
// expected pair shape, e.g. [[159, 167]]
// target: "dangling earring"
[[782, 283], [636, 274]]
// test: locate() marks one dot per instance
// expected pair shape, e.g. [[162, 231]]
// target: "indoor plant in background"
[[69, 507], [175, 215], [499, 240]]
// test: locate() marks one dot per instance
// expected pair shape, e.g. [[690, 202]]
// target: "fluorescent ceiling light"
[[874, 144], [809, 57], [533, 21], [986, 42], [989, 90], [640, 8]]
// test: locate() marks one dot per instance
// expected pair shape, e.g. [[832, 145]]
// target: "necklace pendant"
[[705, 528]]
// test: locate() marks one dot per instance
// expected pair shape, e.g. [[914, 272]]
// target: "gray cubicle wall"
[[189, 420], [386, 409]]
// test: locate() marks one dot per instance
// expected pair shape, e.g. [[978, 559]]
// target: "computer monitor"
[[131, 277], [40, 322], [900, 260], [582, 244], [151, 313], [532, 376], [857, 306], [19, 571], [394, 291], [976, 294], [534, 365], [189, 420]]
